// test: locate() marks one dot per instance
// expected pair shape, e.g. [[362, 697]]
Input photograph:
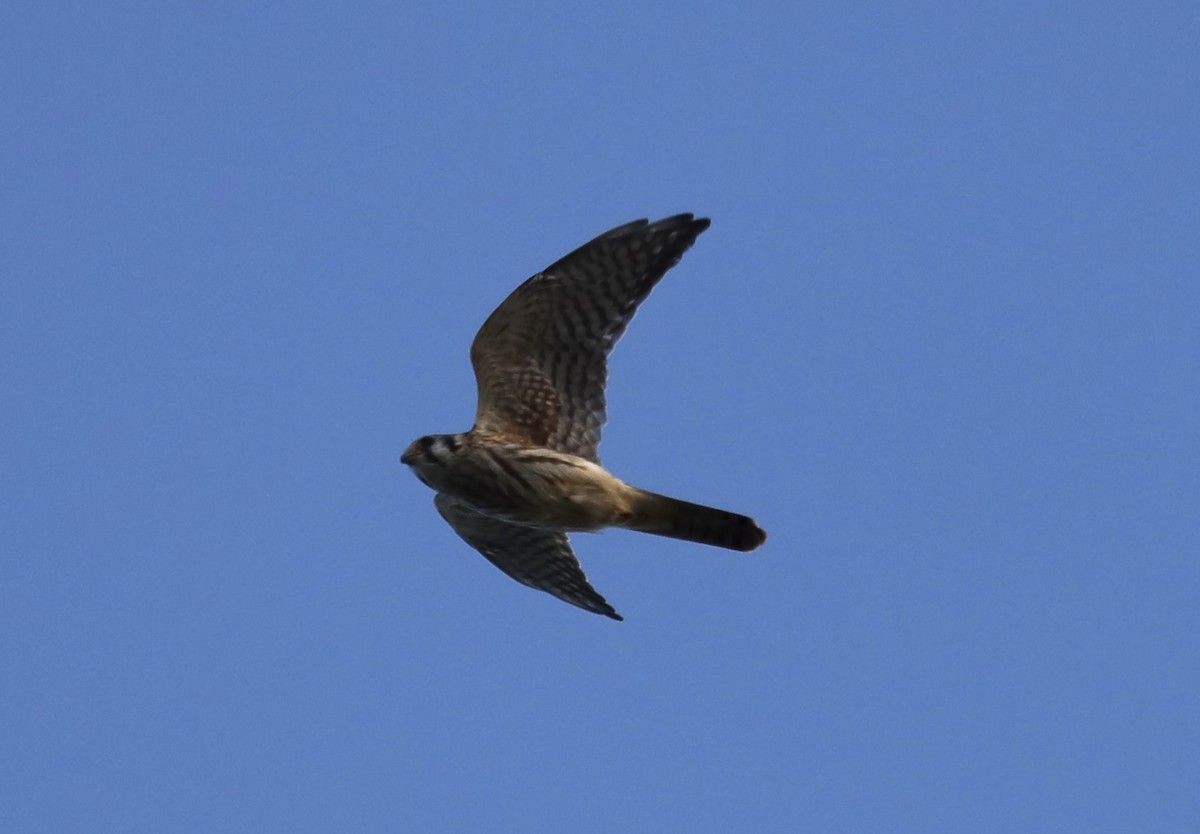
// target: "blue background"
[[941, 340]]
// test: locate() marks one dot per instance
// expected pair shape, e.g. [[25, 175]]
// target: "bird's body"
[[528, 472], [524, 484]]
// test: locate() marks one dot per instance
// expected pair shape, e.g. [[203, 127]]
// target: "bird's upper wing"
[[540, 358], [539, 558]]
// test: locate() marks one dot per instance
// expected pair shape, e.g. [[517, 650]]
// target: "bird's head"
[[430, 455]]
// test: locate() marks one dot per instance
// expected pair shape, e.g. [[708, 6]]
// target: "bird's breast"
[[537, 486]]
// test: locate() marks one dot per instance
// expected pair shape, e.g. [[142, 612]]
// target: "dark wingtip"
[[676, 221], [697, 224], [601, 606]]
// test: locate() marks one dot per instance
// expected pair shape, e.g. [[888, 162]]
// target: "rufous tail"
[[663, 516]]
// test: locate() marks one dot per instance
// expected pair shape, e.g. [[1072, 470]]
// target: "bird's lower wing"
[[541, 559]]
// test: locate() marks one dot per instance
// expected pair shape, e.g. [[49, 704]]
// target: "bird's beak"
[[408, 457]]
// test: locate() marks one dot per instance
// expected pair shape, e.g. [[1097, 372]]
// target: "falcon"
[[528, 472]]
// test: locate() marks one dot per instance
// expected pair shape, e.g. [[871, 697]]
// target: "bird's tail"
[[663, 516]]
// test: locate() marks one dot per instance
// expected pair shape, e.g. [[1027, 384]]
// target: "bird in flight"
[[529, 471]]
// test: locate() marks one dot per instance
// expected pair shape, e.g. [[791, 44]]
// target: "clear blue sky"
[[941, 340]]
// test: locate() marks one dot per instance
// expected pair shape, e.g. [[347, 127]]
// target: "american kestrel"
[[528, 472]]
